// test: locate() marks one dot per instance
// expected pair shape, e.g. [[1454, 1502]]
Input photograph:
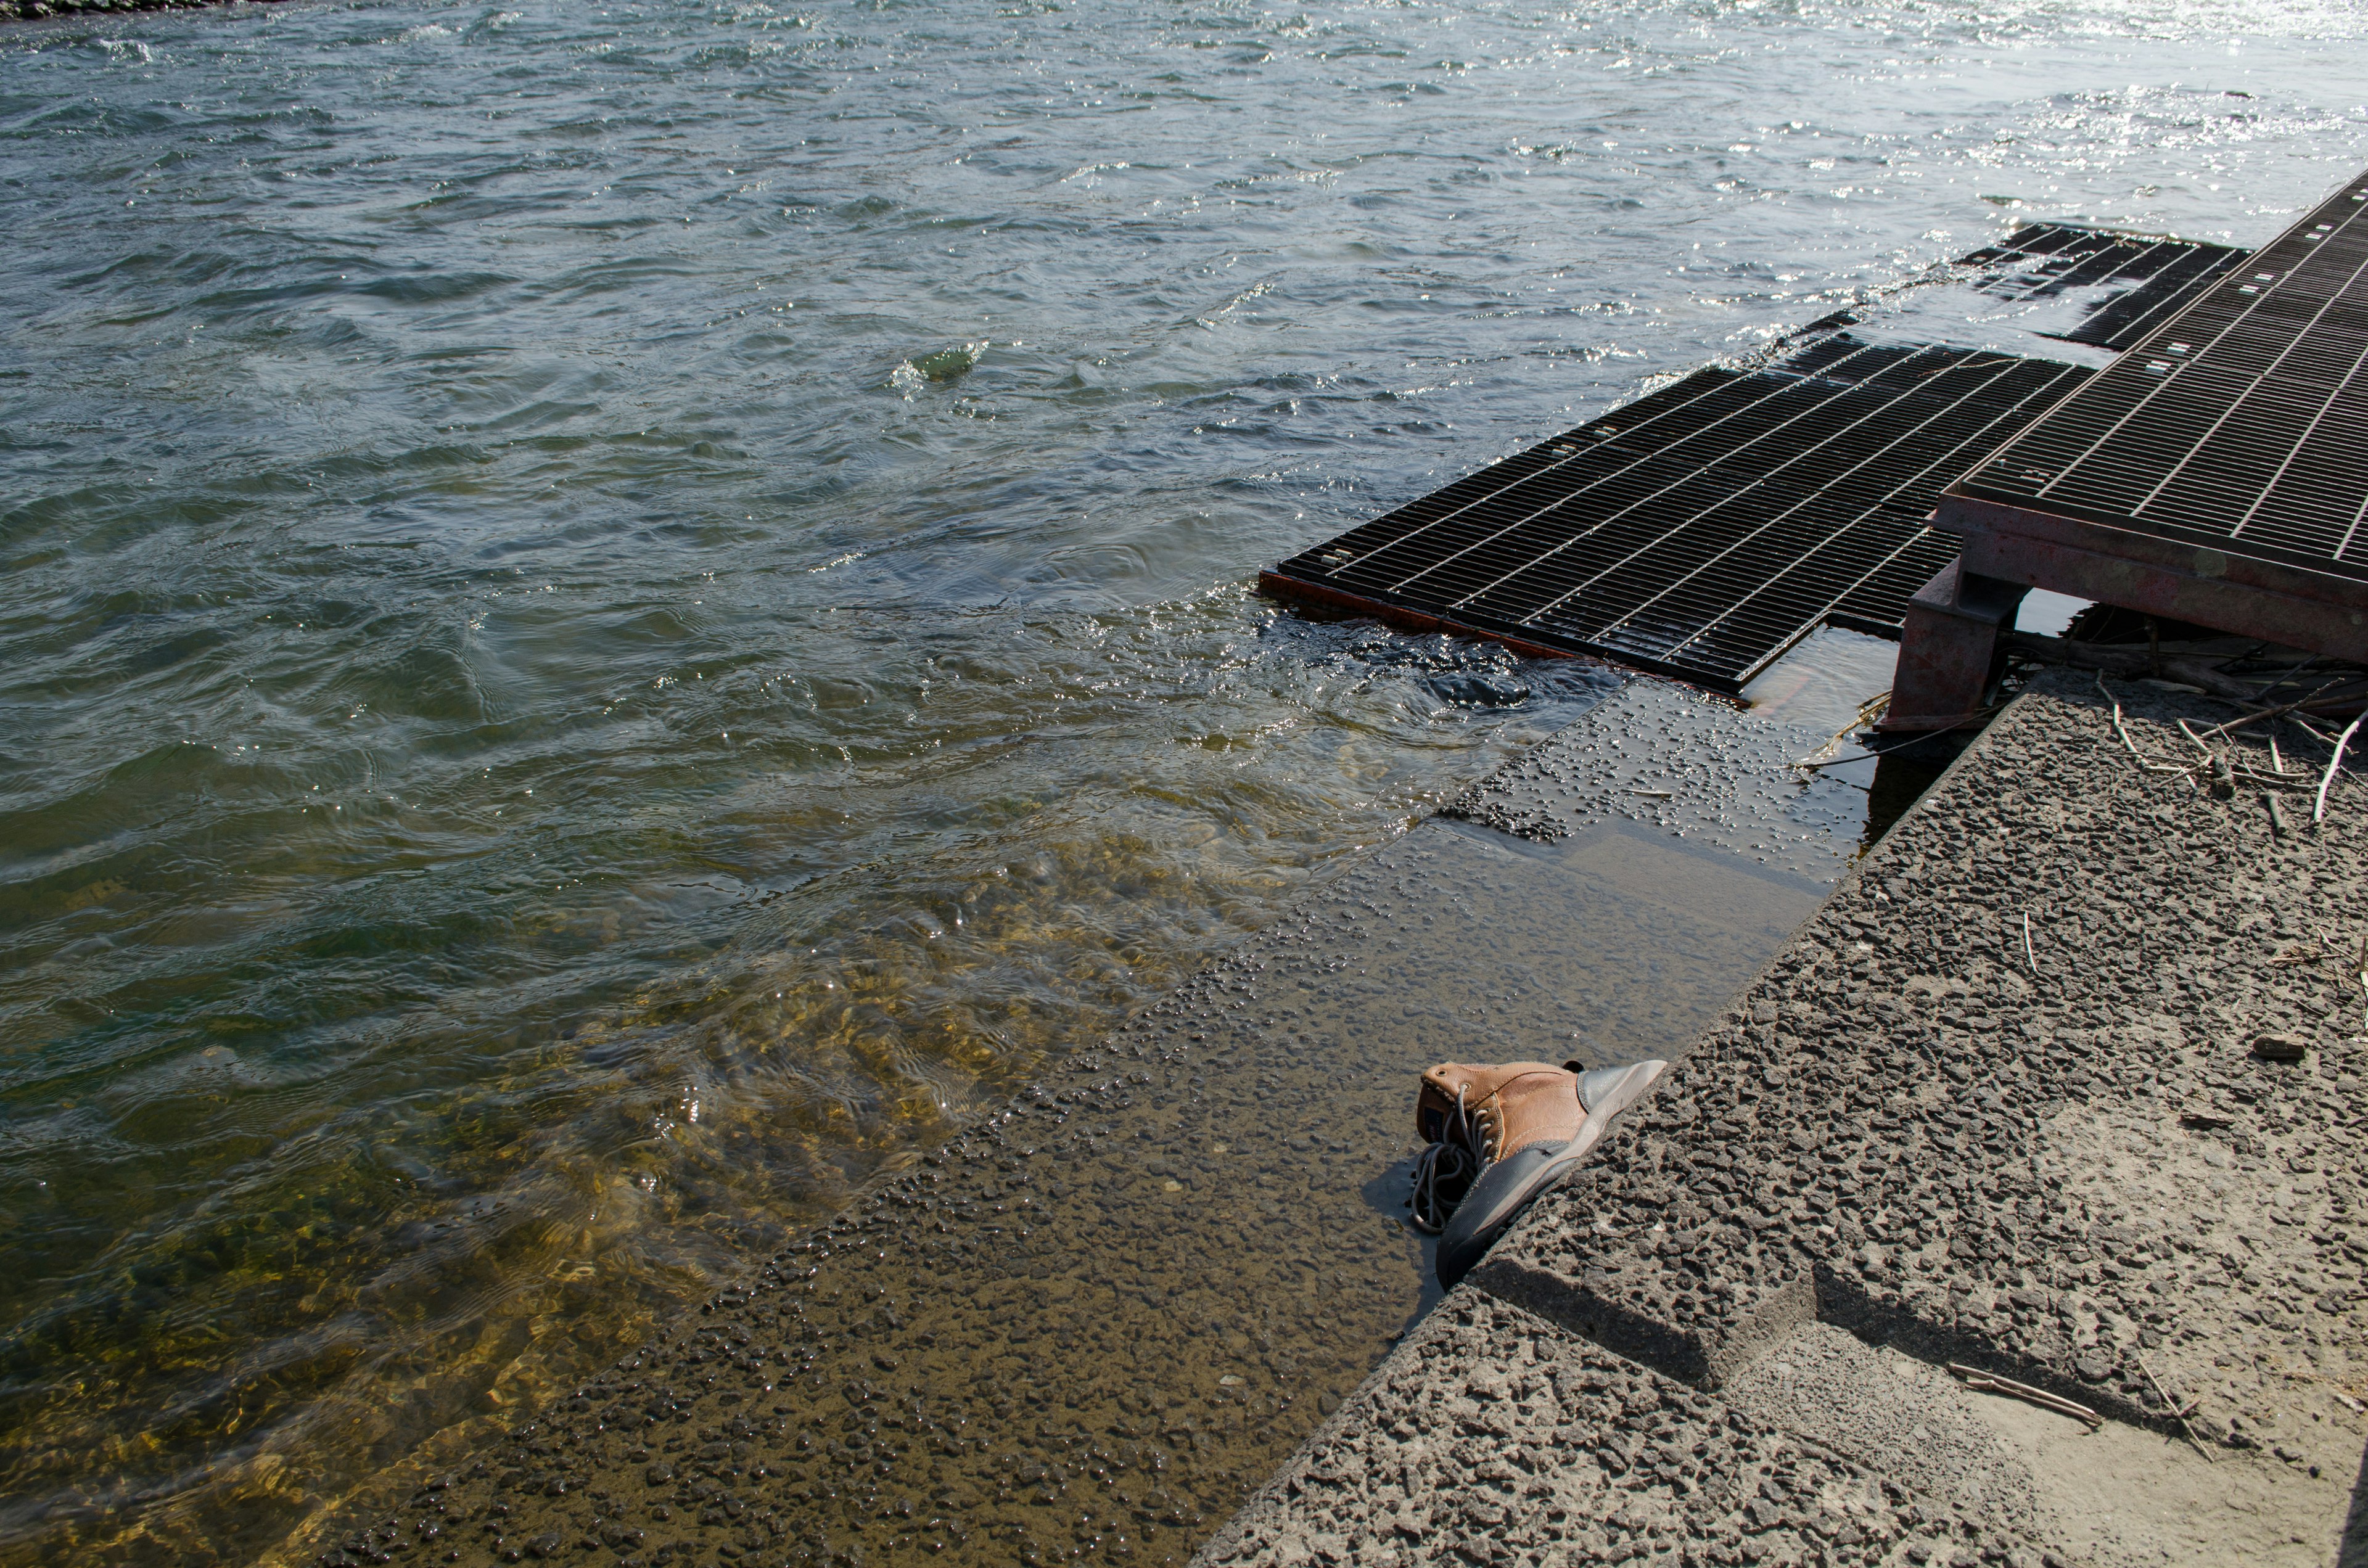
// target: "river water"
[[619, 617]]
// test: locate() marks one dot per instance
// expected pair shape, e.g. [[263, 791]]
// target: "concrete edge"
[[1574, 1308]]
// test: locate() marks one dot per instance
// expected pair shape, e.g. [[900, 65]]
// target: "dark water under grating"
[[2238, 424], [1703, 529], [2161, 277]]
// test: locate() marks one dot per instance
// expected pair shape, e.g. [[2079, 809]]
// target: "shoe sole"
[[1507, 1187]]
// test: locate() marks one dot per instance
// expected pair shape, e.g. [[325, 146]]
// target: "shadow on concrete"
[[2351, 1552]]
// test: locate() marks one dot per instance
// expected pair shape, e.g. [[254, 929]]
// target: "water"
[[619, 619]]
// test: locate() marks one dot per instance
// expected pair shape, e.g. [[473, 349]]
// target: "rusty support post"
[[1948, 650]]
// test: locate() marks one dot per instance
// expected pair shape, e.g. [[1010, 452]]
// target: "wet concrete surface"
[[1679, 767], [1998, 1104], [1093, 1326]]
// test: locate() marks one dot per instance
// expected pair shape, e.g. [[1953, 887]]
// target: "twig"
[[2318, 811], [2284, 676], [1990, 1382], [2197, 673], [2321, 736], [2179, 1411], [2360, 966], [2027, 956], [2277, 763], [1978, 716], [2283, 709], [2150, 764], [2277, 817], [2272, 781]]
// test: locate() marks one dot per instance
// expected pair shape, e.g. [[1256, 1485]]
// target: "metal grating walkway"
[[1703, 530], [2165, 276], [2241, 424]]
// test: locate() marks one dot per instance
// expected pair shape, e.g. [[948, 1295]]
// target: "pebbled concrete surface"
[[1900, 1418], [1915, 1126], [2057, 1160], [1495, 1436], [1492, 1437]]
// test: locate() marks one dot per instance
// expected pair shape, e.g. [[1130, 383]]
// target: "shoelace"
[[1444, 1171]]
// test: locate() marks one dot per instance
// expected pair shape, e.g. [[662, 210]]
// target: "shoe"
[[1498, 1136]]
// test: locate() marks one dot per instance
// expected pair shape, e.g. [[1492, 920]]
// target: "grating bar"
[[2045, 259], [2238, 423], [1703, 530]]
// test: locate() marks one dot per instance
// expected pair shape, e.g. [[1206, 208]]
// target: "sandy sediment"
[[1998, 1104]]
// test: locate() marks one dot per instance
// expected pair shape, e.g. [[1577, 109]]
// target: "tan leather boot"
[[1497, 1110], [1500, 1135]]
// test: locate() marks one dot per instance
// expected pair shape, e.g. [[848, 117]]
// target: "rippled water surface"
[[619, 616]]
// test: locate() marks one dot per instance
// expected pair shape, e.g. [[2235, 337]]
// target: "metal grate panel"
[[2164, 276], [2239, 424], [1703, 530]]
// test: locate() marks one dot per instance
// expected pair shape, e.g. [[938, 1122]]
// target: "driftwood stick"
[[2315, 700], [2318, 811], [2178, 1410], [2276, 781], [2150, 763], [1990, 1382], [2125, 662], [2284, 676], [2321, 736]]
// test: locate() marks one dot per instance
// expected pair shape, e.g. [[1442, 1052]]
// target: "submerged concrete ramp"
[[2062, 1086]]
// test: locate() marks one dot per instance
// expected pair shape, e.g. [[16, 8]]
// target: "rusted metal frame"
[[1948, 650], [2317, 612]]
